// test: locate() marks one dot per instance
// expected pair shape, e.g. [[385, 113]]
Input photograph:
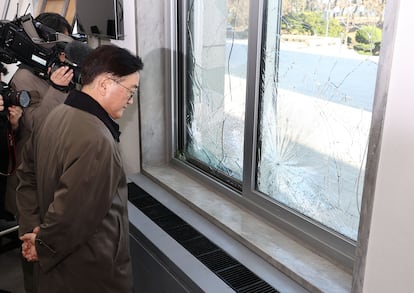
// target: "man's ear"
[[102, 84]]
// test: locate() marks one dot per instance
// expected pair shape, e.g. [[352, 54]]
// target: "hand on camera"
[[15, 112], [62, 76]]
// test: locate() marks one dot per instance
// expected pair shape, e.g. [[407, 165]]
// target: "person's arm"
[[54, 96], [44, 96], [26, 193]]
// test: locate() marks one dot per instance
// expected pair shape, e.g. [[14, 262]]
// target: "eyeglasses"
[[131, 92]]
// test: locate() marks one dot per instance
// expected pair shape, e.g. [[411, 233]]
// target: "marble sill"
[[305, 267]]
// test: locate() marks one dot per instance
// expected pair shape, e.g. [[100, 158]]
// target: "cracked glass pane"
[[320, 67], [216, 84], [318, 72]]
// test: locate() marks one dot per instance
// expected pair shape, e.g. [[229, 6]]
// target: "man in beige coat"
[[74, 171]]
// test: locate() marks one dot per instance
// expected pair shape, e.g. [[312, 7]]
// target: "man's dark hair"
[[54, 21], [109, 59]]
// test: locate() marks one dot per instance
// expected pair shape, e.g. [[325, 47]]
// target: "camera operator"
[[45, 95], [9, 124]]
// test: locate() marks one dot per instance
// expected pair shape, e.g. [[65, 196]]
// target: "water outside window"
[[318, 70]]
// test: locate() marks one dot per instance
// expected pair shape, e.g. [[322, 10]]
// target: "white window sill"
[[306, 268]]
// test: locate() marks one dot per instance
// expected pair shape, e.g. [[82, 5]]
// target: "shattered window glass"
[[216, 78], [316, 107], [318, 64]]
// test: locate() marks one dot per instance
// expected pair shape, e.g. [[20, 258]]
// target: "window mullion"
[[256, 18]]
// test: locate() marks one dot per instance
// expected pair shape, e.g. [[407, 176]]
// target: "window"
[[277, 99], [216, 86]]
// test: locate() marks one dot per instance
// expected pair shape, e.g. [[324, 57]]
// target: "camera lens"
[[23, 99], [19, 98]]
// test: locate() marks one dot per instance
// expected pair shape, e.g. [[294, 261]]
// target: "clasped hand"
[[28, 246]]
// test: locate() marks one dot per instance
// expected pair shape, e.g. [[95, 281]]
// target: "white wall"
[[15, 6], [390, 257], [129, 123]]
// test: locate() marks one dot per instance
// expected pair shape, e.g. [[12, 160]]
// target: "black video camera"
[[35, 45], [13, 98]]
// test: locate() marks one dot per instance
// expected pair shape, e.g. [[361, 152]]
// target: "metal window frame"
[[327, 242]]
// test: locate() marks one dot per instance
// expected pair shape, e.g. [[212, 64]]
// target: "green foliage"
[[335, 28], [310, 23], [293, 24], [368, 49], [313, 23], [368, 40], [368, 35]]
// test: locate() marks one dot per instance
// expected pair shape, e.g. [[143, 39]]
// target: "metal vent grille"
[[233, 273]]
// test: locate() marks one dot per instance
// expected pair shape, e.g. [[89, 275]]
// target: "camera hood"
[[29, 26]]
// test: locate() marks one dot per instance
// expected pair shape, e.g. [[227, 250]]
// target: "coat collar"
[[82, 101]]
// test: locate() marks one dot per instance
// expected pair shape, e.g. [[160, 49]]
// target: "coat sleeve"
[[83, 197], [44, 98], [26, 192]]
